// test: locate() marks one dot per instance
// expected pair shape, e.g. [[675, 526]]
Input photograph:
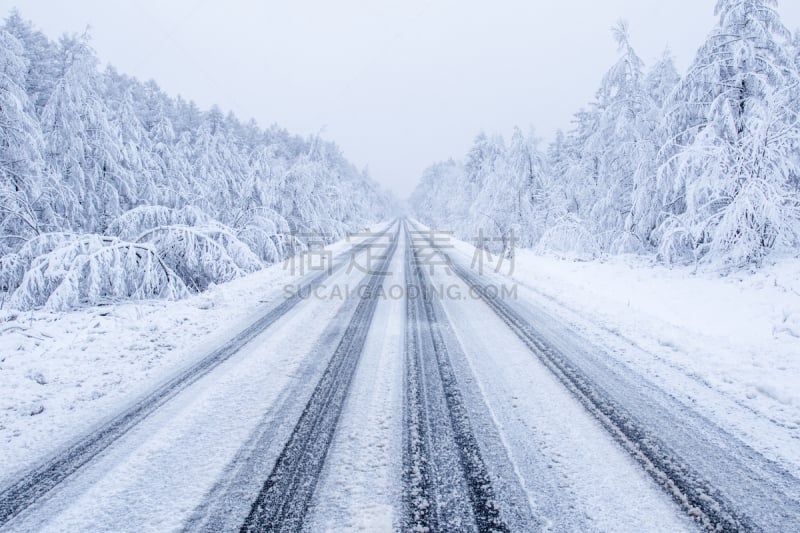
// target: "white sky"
[[398, 84]]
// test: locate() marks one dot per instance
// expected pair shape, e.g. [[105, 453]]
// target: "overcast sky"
[[398, 84]]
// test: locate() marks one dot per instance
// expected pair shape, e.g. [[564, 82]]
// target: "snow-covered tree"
[[111, 189], [439, 200], [42, 60], [651, 193], [621, 142], [135, 167], [736, 170], [81, 146], [21, 145], [92, 269], [511, 193], [704, 167], [661, 80]]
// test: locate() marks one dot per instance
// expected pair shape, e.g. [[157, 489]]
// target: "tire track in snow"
[[703, 502], [360, 484], [37, 482], [285, 496], [447, 485], [228, 503]]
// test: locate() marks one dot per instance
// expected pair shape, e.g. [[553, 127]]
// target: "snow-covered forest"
[[110, 189], [699, 168]]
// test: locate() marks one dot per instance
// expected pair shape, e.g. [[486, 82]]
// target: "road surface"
[[416, 394]]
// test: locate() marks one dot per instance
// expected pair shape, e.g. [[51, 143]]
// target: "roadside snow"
[[62, 374], [730, 345], [740, 332]]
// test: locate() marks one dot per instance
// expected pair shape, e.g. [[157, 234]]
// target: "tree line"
[[110, 189], [702, 168]]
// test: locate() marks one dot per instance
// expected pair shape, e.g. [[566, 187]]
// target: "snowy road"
[[392, 408]]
